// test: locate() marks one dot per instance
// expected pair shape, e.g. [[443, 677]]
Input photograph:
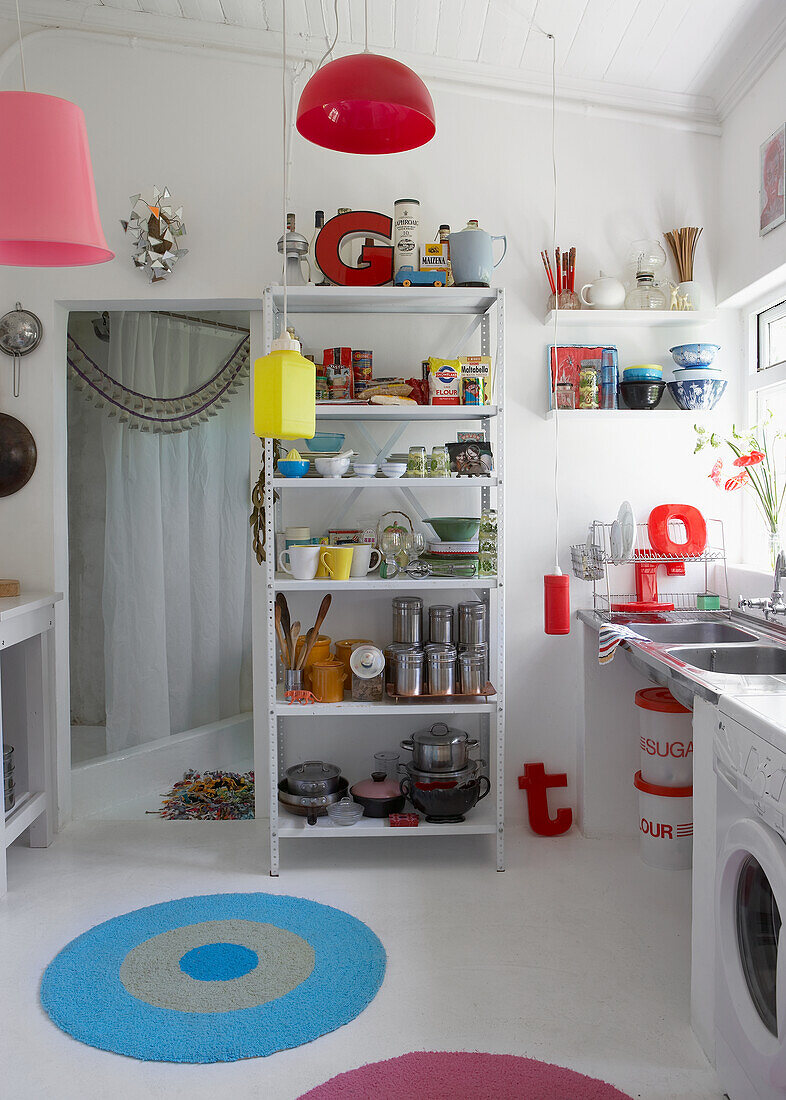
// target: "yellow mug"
[[335, 562]]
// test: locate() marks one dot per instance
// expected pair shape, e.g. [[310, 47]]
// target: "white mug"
[[361, 559], [303, 562]]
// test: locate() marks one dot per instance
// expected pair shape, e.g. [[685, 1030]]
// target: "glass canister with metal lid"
[[408, 619]]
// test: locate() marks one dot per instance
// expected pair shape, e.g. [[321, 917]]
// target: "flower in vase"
[[752, 459], [737, 481], [715, 473]]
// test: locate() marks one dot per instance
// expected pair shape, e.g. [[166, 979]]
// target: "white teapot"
[[606, 293]]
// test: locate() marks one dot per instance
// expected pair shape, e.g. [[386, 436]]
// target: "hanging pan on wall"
[[20, 333], [18, 455]]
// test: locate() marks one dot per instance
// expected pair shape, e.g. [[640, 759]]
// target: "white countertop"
[[30, 599], [763, 714]]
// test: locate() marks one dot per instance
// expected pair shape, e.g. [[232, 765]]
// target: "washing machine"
[[750, 899]]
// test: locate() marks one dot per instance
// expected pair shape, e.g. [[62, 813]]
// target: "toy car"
[[407, 276]]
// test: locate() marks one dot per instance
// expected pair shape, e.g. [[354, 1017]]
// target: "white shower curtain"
[[176, 593]]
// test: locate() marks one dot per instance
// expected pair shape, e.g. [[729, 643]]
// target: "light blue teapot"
[[472, 256]]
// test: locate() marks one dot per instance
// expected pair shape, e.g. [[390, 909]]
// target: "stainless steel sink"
[[692, 633], [735, 659]]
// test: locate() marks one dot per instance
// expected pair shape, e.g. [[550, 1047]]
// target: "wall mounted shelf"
[[629, 318]]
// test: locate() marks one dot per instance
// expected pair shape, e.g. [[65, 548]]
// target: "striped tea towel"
[[610, 636]]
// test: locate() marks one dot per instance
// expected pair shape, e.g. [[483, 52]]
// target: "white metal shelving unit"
[[484, 308]]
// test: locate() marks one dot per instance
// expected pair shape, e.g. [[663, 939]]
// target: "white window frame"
[[764, 320], [760, 379]]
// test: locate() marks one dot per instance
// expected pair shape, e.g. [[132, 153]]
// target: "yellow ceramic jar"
[[327, 681]]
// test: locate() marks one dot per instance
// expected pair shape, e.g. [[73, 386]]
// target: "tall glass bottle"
[[317, 275], [444, 234]]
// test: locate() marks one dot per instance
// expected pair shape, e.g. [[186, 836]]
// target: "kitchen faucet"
[[774, 604]]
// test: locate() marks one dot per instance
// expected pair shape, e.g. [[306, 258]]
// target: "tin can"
[[362, 362], [406, 226]]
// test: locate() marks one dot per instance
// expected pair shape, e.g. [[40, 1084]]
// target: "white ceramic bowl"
[[394, 469], [696, 374], [365, 469], [332, 467]]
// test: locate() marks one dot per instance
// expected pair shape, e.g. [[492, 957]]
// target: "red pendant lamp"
[[48, 208], [366, 103]]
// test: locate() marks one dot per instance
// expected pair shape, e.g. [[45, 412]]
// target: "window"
[[772, 338], [767, 391]]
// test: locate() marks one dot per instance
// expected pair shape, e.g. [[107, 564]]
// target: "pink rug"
[[432, 1075]]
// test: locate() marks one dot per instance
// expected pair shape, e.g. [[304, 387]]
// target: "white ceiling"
[[680, 59]]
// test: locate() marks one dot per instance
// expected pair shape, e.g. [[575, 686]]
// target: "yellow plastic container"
[[284, 396]]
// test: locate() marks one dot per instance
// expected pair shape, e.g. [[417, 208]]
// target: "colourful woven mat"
[[210, 796]]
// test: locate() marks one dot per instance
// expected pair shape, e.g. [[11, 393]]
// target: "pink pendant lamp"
[[48, 209]]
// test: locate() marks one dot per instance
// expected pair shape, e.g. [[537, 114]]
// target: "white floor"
[[577, 954]]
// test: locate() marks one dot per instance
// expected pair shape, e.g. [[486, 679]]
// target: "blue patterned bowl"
[[694, 355], [699, 394]]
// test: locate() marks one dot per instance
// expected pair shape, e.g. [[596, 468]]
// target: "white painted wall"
[[745, 258], [209, 128]]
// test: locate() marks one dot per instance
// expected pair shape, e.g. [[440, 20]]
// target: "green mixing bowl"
[[455, 528]]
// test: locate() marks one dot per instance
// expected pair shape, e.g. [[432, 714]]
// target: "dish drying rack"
[[594, 561]]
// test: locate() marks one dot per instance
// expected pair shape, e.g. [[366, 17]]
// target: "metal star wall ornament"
[[155, 228]]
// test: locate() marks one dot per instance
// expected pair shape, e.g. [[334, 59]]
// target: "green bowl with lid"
[[454, 528]]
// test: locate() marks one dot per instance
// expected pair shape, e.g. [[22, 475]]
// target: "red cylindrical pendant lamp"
[[48, 208], [366, 103]]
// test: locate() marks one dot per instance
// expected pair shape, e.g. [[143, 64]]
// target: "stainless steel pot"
[[313, 778], [473, 769], [310, 807], [440, 749]]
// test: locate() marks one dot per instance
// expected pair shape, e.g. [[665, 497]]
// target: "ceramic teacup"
[[336, 561], [361, 559], [300, 562]]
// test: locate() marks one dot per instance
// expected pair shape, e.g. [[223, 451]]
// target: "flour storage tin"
[[665, 825]]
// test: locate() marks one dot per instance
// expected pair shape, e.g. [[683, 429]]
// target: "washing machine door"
[[750, 902]]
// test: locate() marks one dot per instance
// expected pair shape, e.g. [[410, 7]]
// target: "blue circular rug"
[[214, 978]]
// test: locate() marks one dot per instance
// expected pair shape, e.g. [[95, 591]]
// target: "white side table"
[[27, 717]]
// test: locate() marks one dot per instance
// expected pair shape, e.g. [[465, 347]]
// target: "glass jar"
[[589, 397], [646, 294], [645, 256], [439, 466], [416, 462]]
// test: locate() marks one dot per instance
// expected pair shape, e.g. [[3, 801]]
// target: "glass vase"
[[774, 545]]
